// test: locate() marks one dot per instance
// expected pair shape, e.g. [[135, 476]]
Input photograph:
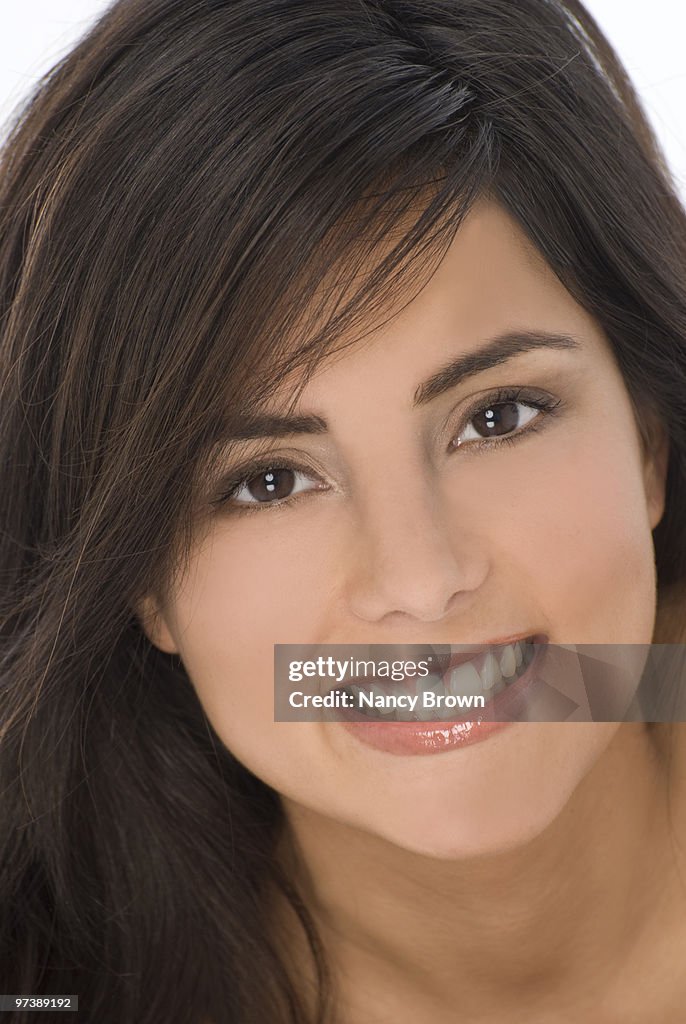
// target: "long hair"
[[181, 198]]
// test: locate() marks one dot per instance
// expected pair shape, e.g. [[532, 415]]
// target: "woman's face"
[[393, 536]]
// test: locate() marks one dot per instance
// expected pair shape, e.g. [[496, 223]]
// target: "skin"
[[488, 870]]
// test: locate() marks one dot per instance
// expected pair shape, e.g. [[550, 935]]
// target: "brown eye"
[[498, 419], [265, 485], [272, 483]]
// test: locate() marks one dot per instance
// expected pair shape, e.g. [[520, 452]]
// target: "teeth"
[[411, 684], [490, 672], [430, 684], [464, 679], [424, 714], [380, 709], [508, 662]]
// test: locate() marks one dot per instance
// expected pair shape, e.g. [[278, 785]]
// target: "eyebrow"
[[497, 351]]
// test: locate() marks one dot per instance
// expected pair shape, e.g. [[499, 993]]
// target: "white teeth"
[[380, 708], [464, 679], [410, 684], [422, 713], [490, 672], [508, 662], [430, 684]]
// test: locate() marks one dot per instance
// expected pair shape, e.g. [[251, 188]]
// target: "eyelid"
[[507, 393]]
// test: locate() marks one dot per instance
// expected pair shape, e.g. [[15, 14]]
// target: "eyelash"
[[244, 474]]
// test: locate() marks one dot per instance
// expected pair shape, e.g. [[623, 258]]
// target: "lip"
[[435, 737], [473, 653]]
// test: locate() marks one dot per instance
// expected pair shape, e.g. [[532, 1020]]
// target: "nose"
[[413, 555]]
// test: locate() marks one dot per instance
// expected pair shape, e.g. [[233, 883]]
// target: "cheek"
[[263, 581], [237, 603], [575, 534], [227, 617], [603, 559]]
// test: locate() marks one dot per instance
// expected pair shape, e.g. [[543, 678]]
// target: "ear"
[[655, 463], [154, 624]]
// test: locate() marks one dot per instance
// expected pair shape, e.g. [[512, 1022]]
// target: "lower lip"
[[413, 738]]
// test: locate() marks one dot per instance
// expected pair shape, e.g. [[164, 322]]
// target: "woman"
[[208, 213]]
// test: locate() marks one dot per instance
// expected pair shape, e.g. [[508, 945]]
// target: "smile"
[[465, 683]]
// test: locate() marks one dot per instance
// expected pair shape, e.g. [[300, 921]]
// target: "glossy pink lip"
[[435, 737]]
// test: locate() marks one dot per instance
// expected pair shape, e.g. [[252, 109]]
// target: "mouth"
[[479, 676]]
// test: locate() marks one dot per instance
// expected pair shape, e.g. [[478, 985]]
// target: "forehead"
[[490, 280]]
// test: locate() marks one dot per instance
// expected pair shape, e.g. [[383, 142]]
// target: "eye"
[[271, 483], [498, 418], [277, 482]]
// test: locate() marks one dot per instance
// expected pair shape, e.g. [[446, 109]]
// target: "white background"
[[649, 37]]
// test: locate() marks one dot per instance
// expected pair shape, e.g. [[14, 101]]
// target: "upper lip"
[[458, 659], [469, 654]]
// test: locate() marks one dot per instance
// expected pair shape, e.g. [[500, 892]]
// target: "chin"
[[463, 820], [477, 838]]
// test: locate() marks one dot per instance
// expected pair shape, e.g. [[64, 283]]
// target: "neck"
[[555, 916]]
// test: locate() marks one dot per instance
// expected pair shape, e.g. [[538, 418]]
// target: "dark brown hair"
[[180, 198]]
